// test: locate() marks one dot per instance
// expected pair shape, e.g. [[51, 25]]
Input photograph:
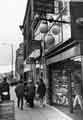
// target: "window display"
[[68, 71], [60, 87]]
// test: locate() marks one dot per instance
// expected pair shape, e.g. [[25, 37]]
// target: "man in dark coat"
[[19, 90], [41, 90], [30, 93]]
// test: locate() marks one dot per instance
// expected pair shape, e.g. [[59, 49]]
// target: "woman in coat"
[[41, 91]]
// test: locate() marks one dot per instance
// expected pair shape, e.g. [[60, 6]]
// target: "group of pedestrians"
[[30, 91]]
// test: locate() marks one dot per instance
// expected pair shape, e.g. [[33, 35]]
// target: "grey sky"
[[11, 16]]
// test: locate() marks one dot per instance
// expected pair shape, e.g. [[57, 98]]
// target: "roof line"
[[28, 1]]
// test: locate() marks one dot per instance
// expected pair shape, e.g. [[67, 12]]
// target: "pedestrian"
[[25, 91], [78, 93], [0, 89], [19, 90], [41, 91], [30, 92], [36, 86], [36, 93], [5, 90], [78, 97]]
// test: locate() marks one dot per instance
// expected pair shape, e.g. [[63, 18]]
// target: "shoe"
[[18, 106], [21, 108], [43, 105]]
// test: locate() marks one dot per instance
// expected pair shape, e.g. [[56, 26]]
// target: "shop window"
[[61, 79], [65, 28], [60, 87]]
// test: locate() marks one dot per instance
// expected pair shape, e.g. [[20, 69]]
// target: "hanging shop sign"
[[76, 9], [44, 6], [35, 54]]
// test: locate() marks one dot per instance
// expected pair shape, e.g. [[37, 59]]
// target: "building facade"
[[65, 60], [64, 56], [19, 63]]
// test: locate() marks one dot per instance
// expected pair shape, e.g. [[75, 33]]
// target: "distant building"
[[19, 67], [64, 57]]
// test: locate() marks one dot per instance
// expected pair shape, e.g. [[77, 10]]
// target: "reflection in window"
[[76, 76], [65, 29]]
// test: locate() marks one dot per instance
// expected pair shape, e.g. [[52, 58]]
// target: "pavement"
[[39, 113]]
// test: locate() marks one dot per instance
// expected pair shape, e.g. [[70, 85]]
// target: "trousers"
[[78, 99], [20, 101]]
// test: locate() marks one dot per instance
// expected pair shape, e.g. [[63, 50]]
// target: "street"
[[37, 113], [41, 55]]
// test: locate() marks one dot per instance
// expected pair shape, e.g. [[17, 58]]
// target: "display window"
[[60, 80], [60, 87]]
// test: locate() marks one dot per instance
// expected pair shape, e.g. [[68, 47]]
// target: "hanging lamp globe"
[[44, 27], [56, 29], [49, 40]]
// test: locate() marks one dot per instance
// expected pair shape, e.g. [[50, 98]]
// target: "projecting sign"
[[35, 53]]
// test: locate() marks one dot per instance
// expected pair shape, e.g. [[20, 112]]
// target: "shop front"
[[65, 76]]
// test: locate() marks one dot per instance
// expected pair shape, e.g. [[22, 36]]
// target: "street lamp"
[[44, 27], [11, 46]]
